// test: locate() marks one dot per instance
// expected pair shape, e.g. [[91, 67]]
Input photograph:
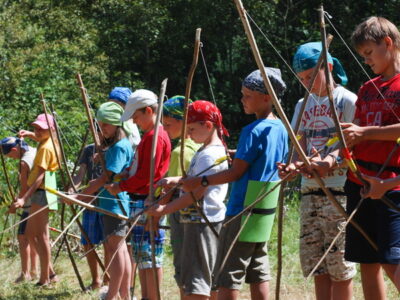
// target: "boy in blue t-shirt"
[[261, 144]]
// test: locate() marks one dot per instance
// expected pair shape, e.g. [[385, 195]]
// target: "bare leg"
[[33, 259], [397, 274], [214, 295], [93, 266], [342, 290], [124, 290], [323, 287], [117, 266], [24, 253], [391, 272], [196, 297], [133, 264], [37, 231], [143, 283], [227, 294], [259, 291], [372, 282], [150, 284]]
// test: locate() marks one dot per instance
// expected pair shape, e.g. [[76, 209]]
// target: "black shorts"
[[380, 222], [114, 226], [22, 226]]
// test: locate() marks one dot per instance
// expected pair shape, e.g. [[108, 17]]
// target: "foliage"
[[44, 43]]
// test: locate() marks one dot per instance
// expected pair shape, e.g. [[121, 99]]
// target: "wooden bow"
[[151, 187], [78, 276], [196, 51]]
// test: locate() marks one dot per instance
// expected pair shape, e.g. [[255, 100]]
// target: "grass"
[[294, 286]]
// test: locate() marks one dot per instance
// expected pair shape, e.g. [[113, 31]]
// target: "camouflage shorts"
[[320, 222]]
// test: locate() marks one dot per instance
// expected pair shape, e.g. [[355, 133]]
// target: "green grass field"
[[293, 286]]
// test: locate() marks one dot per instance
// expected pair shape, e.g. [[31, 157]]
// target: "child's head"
[[141, 107], [306, 59], [255, 96], [41, 126], [12, 146], [377, 40], [109, 119], [120, 95], [204, 118], [173, 110]]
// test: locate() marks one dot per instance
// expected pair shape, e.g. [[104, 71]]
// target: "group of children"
[[196, 203]]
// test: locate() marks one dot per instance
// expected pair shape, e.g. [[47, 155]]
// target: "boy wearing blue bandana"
[[319, 219], [261, 145]]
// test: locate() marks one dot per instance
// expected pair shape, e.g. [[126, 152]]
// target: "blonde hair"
[[375, 29]]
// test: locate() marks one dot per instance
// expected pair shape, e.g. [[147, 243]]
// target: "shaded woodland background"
[[43, 44]]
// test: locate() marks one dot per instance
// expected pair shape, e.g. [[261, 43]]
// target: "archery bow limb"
[[189, 81], [151, 186], [290, 156], [187, 97], [322, 23], [345, 150], [10, 189], [285, 121], [70, 255]]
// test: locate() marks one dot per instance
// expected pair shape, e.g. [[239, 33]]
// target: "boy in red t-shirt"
[[373, 137], [142, 107]]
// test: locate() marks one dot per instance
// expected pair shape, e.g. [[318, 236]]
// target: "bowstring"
[[63, 136], [64, 123], [292, 71], [207, 74]]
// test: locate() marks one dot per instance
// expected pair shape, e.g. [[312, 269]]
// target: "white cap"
[[138, 99]]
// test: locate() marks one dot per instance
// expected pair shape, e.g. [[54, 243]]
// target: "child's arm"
[[184, 201], [239, 167], [378, 187], [142, 175], [23, 179], [355, 134], [28, 134], [293, 167], [20, 201], [94, 186]]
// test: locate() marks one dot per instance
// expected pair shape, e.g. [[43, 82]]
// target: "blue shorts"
[[93, 225], [141, 245], [22, 226], [380, 222]]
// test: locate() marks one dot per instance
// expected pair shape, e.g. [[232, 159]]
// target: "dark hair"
[[153, 108]]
